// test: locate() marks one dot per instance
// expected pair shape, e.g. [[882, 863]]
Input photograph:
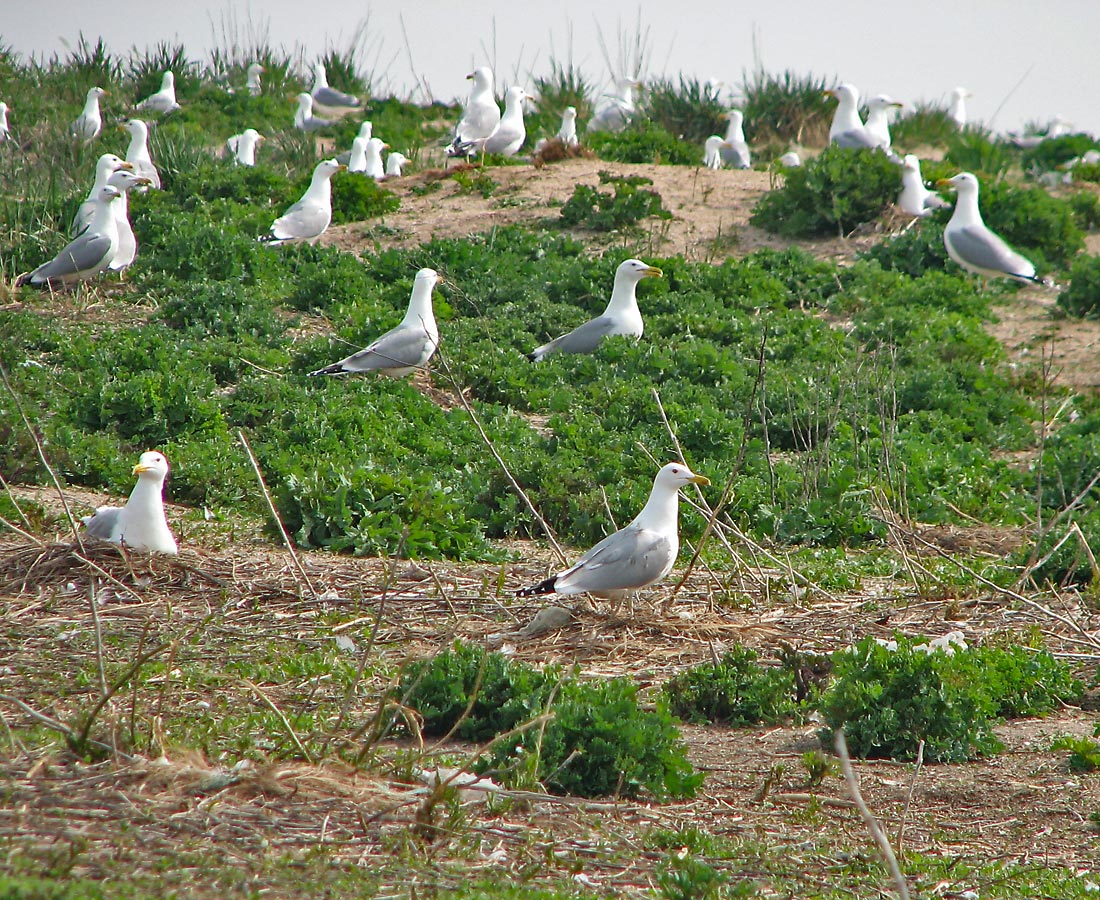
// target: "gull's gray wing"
[[83, 254], [402, 347], [101, 524], [147, 170], [301, 221], [83, 218], [327, 96], [983, 249], [736, 156], [626, 560], [854, 140], [583, 339]]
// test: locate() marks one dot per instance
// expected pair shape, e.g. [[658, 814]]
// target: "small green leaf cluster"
[[356, 197], [598, 742], [735, 690], [1084, 754], [829, 195], [599, 210], [889, 700], [643, 142], [1082, 296]]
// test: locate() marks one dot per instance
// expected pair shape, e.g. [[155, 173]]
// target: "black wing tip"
[[334, 369], [536, 590]]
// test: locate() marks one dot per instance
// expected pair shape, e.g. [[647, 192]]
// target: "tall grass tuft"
[[90, 64], [564, 86], [786, 108], [352, 68], [147, 68], [927, 125], [236, 45], [689, 110]]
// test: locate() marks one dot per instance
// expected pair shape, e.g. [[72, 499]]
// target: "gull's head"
[[152, 464], [675, 475], [734, 115], [366, 129], [108, 194], [910, 163], [883, 101], [844, 93], [108, 162], [635, 270], [136, 128], [964, 183], [569, 114], [125, 181], [96, 92], [305, 102], [482, 78], [377, 144], [426, 279], [252, 134], [961, 93], [167, 81]]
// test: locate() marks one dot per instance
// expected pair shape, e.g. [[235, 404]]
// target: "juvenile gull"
[[324, 95], [975, 247], [915, 199], [253, 84], [618, 107], [243, 146], [394, 163], [736, 152], [164, 100], [307, 219], [141, 523], [86, 255], [137, 154], [88, 124], [304, 119], [847, 129], [107, 164], [405, 348], [621, 316], [480, 117], [634, 557]]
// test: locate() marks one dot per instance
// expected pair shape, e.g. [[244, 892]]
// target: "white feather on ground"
[[141, 524]]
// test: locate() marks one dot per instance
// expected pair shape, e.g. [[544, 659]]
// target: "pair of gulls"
[[87, 126], [849, 130], [731, 150], [321, 94], [410, 345], [482, 128]]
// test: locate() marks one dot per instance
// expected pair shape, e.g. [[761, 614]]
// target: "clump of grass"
[[926, 125], [602, 211], [687, 109], [148, 68], [786, 108], [643, 142], [1082, 296]]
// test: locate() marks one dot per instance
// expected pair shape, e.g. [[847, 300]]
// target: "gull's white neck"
[[513, 108], [138, 151], [966, 209], [420, 308], [320, 187], [145, 519], [624, 297], [847, 114], [91, 105], [320, 78], [735, 133], [104, 221], [661, 512]]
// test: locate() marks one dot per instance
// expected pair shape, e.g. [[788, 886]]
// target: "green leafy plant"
[[356, 197], [643, 142], [736, 690], [1082, 296], [599, 210], [1084, 754]]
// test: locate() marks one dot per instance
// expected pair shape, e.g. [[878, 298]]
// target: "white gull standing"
[[253, 83], [736, 152], [956, 112], [394, 164], [125, 253], [847, 129], [304, 119], [510, 132], [164, 100], [878, 118], [87, 254], [323, 95], [480, 117], [137, 154], [5, 131], [712, 151], [107, 164], [615, 113], [89, 123], [141, 524], [972, 245], [307, 219], [243, 146]]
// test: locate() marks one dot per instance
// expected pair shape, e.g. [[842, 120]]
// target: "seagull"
[[621, 316], [975, 247], [87, 254], [87, 125], [164, 100], [323, 95], [847, 129], [481, 116], [957, 110], [510, 132], [366, 131], [307, 219], [124, 181], [253, 81], [105, 166], [633, 557], [615, 114], [567, 133], [137, 154], [915, 199], [790, 159], [394, 163], [357, 159], [712, 151], [304, 119], [141, 523], [5, 131], [243, 146], [405, 348], [878, 118], [736, 152]]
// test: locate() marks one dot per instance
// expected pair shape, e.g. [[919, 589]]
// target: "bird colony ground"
[[205, 725]]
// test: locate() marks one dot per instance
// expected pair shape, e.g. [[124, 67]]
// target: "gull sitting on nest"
[[141, 523]]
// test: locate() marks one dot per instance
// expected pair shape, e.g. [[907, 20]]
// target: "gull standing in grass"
[[618, 109], [394, 163], [878, 118], [137, 154], [105, 166], [307, 219], [89, 123], [357, 159], [405, 348], [956, 112], [366, 132], [124, 181], [915, 199], [304, 119], [735, 153], [5, 131], [141, 524], [622, 315], [480, 117], [164, 100], [634, 557], [567, 132], [243, 146], [975, 247], [712, 151], [372, 159], [847, 129], [252, 82], [510, 132], [323, 95], [86, 255]]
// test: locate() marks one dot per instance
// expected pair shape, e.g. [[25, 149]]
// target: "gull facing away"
[[405, 348], [975, 247], [634, 557], [510, 132], [105, 166], [394, 163], [480, 117], [878, 118], [243, 146], [622, 315], [164, 100], [304, 119], [137, 154], [307, 219], [323, 95], [252, 82], [372, 158], [124, 181], [712, 151], [89, 123], [736, 153], [915, 199], [87, 254], [618, 109], [847, 129], [956, 112], [141, 523]]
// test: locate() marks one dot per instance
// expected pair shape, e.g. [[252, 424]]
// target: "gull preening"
[[164, 100], [615, 113], [307, 219], [243, 146], [915, 199], [137, 154], [735, 152], [972, 245], [87, 254], [304, 119], [323, 95], [621, 316], [712, 151], [141, 524], [634, 557], [405, 348], [480, 117], [89, 123]]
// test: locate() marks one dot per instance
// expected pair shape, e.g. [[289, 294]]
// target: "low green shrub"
[[356, 197], [829, 195], [1040, 226], [736, 690], [643, 142], [1050, 153], [918, 250], [1084, 754], [1082, 296], [599, 210], [973, 151]]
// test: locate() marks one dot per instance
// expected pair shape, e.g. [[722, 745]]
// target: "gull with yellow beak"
[[141, 524], [309, 218], [633, 557]]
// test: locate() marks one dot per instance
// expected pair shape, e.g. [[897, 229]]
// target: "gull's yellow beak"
[[701, 480], [342, 168], [944, 183], [126, 165], [139, 468], [652, 272], [829, 93], [470, 76]]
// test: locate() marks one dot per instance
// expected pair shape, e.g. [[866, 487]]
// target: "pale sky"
[[1022, 61]]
